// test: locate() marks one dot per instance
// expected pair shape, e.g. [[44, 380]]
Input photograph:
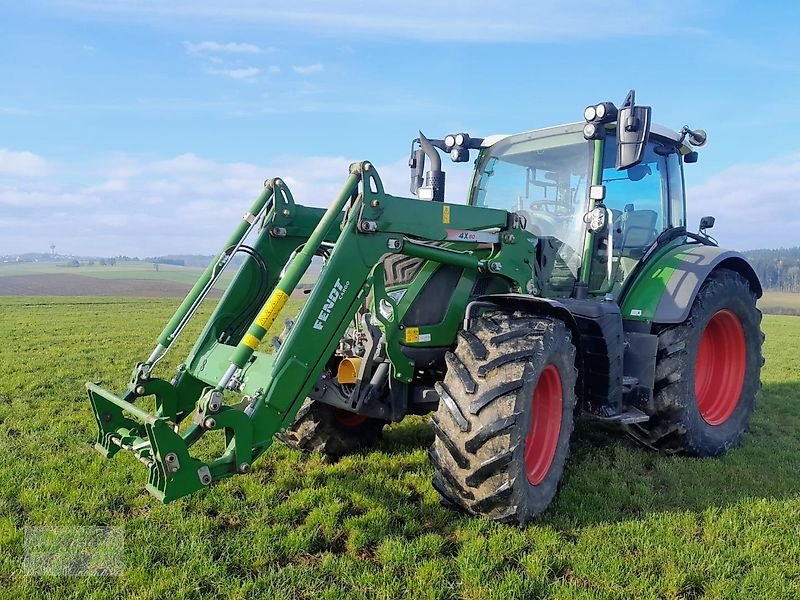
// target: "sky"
[[147, 127]]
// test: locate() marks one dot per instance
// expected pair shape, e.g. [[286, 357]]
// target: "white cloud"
[[25, 164], [185, 203], [308, 69], [443, 20], [274, 69], [754, 204], [224, 48], [237, 73], [88, 48], [189, 203]]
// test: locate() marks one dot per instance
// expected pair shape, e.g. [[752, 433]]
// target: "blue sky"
[[146, 127]]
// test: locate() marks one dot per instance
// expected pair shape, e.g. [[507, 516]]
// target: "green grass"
[[626, 523]]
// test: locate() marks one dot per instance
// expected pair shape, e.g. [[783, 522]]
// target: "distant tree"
[[155, 266], [102, 262], [111, 262], [73, 263], [90, 263]]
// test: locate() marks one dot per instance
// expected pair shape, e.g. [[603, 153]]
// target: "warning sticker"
[[445, 214], [412, 335], [271, 309], [250, 341]]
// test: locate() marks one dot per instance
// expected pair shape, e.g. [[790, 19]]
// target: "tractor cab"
[[547, 176]]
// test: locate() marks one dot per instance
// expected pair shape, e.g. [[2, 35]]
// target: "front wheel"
[[318, 427], [707, 372], [505, 416]]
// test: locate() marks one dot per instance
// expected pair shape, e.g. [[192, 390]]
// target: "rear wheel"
[[505, 416], [707, 372], [319, 427]]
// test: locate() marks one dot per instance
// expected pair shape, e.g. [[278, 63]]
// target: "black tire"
[[319, 427], [484, 418], [696, 409]]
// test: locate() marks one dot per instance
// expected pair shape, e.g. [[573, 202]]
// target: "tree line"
[[778, 269]]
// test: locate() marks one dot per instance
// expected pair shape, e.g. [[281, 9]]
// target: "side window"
[[638, 200]]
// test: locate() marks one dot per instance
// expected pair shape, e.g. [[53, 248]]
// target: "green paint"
[[642, 298]]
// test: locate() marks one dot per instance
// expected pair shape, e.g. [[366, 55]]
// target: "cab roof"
[[655, 129]]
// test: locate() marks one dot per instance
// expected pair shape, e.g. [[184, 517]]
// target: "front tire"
[[319, 427], [707, 372], [505, 416]]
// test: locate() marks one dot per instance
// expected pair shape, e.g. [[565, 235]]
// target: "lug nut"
[[210, 423]]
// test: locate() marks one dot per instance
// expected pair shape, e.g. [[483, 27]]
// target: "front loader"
[[567, 285]]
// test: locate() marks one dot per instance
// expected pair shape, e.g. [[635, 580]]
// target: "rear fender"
[[665, 290]]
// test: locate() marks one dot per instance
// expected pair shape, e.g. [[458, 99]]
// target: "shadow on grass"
[[611, 478]]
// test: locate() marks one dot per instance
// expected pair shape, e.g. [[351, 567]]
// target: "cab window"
[[638, 202]]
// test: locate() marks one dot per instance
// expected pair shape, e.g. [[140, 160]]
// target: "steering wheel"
[[546, 220], [541, 206]]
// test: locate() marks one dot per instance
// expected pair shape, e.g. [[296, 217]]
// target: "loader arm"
[[364, 224]]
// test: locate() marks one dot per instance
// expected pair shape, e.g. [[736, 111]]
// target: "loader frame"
[[363, 224]]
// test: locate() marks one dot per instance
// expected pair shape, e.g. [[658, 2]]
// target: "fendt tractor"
[[566, 286]]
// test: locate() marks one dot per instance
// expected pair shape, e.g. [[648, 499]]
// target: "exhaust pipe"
[[434, 178]]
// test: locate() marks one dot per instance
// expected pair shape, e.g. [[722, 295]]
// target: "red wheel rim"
[[542, 441], [720, 366], [348, 419]]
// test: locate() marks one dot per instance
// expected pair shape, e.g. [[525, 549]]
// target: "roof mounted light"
[[590, 113], [449, 141], [593, 131]]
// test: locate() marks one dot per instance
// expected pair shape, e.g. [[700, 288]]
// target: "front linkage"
[[273, 386]]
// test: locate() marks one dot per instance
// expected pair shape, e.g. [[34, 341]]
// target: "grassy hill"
[[627, 523]]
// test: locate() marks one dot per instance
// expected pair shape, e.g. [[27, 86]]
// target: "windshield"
[[543, 177]]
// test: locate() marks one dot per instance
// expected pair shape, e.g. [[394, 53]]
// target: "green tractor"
[[567, 285]]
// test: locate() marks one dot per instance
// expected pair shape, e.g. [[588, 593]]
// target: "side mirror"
[[707, 223], [633, 130]]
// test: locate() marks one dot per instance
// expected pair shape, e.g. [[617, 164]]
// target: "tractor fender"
[[665, 289], [533, 304], [547, 307]]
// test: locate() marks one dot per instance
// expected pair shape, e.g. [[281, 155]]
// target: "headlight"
[[449, 141], [590, 113], [600, 111]]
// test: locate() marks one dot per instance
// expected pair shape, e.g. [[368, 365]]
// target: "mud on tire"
[[485, 419], [699, 407], [319, 427]]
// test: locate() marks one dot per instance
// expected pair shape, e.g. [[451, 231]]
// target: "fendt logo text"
[[336, 292]]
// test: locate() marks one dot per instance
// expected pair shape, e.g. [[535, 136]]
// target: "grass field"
[[626, 523]]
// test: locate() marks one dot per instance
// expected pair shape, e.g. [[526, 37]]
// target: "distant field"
[[780, 303], [627, 523], [123, 279]]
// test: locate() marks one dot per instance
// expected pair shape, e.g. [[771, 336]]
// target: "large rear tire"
[[505, 416], [319, 427], [707, 372]]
